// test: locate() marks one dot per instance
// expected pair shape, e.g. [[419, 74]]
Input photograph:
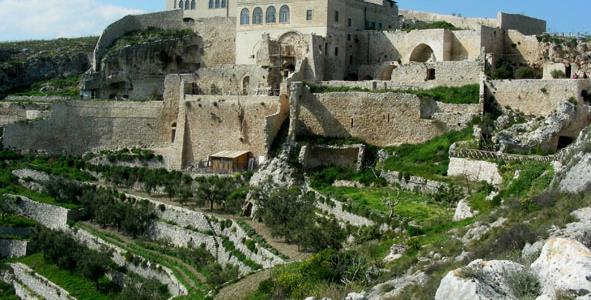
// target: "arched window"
[[244, 16], [257, 16], [224, 3], [210, 3], [193, 4], [181, 4], [284, 14], [187, 4], [217, 3], [271, 15]]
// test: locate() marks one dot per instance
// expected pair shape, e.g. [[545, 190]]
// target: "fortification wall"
[[80, 126], [536, 97], [11, 112], [231, 80], [13, 248], [475, 170], [447, 73], [380, 119], [50, 216], [460, 22], [242, 121], [520, 48], [172, 19], [524, 24], [38, 284]]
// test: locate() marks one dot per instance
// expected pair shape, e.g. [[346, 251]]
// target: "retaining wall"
[[50, 216], [37, 284], [475, 170], [13, 248]]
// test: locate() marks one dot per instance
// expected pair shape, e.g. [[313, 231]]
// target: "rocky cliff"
[[135, 65], [23, 64]]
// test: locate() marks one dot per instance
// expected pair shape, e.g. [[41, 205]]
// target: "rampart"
[[79, 126], [536, 97], [380, 119], [172, 19]]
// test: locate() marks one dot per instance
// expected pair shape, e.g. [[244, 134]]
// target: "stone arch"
[[386, 72], [422, 53]]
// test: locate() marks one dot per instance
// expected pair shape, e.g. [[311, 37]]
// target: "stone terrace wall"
[[536, 97], [381, 119], [475, 170], [172, 19], [79, 126], [13, 248], [50, 216], [38, 284]]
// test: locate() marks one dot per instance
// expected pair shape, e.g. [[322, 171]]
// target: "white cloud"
[[47, 19]]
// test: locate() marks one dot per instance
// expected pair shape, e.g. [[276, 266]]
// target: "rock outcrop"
[[463, 211], [575, 174], [564, 265], [479, 280]]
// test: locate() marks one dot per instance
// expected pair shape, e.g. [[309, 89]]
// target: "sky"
[[48, 19]]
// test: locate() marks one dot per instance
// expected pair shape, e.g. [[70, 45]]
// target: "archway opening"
[[422, 53], [564, 141], [387, 72]]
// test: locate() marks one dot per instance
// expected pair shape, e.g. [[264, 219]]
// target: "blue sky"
[[46, 19]]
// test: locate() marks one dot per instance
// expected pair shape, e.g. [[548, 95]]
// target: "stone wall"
[[475, 170], [460, 22], [233, 80], [380, 119], [524, 24], [11, 112], [347, 156], [522, 49], [244, 122], [218, 36], [80, 126], [148, 270], [38, 284], [449, 73], [536, 97], [13, 248], [50, 216], [412, 183]]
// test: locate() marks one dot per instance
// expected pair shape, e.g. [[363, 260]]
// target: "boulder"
[[478, 230], [393, 288], [564, 265], [356, 296], [463, 211], [579, 230], [532, 251], [479, 280]]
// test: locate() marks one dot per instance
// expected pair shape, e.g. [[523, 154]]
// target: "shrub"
[[524, 73], [558, 74], [524, 285]]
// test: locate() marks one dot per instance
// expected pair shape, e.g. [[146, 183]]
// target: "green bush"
[[524, 73], [558, 74], [524, 285]]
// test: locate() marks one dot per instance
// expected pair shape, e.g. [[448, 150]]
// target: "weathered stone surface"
[[13, 248], [475, 170], [463, 211], [579, 230], [393, 288], [490, 283], [38, 284], [564, 265], [50, 216], [356, 296], [478, 230], [413, 183], [532, 251], [396, 252], [575, 166]]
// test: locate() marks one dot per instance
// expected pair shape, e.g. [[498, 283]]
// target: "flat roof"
[[229, 154]]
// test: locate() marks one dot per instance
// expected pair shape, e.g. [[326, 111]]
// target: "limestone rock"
[[356, 296], [578, 177], [478, 230], [31, 174], [579, 230], [463, 211], [393, 288], [487, 281], [564, 265], [532, 251], [574, 174], [396, 252]]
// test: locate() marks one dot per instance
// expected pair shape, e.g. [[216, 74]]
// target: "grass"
[[7, 292], [10, 220], [371, 202], [61, 86], [468, 94], [429, 159], [429, 25], [21, 50], [76, 284]]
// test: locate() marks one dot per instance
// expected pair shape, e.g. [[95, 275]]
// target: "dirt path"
[[244, 287]]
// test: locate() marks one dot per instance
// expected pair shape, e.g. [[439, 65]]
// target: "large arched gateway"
[[422, 53]]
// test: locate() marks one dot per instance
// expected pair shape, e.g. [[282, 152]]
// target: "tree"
[[213, 190], [94, 266]]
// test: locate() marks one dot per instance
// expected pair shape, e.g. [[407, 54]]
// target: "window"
[[187, 4], [350, 22], [193, 4], [336, 51], [348, 37], [271, 15], [351, 59], [224, 3], [257, 16], [431, 74], [217, 4], [181, 4], [244, 16], [336, 16], [308, 15], [211, 4], [284, 14]]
